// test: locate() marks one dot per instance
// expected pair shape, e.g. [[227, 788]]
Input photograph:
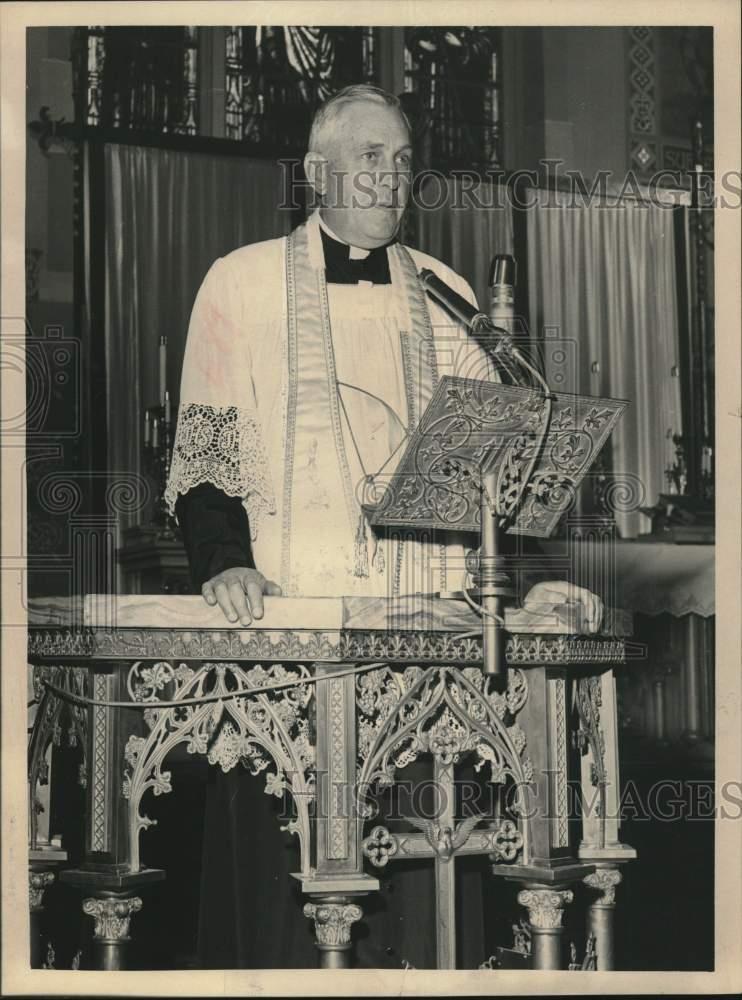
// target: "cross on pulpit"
[[444, 839]]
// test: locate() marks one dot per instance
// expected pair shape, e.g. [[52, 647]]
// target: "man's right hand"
[[239, 593]]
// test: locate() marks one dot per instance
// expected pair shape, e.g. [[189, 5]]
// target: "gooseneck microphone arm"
[[465, 312]]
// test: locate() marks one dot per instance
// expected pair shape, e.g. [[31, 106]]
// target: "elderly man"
[[309, 361]]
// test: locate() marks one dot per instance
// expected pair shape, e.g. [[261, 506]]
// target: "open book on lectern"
[[539, 449]]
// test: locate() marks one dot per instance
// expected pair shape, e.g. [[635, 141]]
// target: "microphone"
[[473, 318], [503, 272]]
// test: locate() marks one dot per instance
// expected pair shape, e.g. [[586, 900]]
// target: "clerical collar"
[[356, 253], [343, 268]]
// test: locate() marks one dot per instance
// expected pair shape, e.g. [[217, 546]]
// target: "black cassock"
[[250, 913]]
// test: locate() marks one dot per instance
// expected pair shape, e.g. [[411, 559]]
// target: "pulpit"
[[327, 700]]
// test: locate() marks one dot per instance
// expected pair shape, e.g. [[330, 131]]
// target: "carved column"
[[107, 875], [597, 738], [600, 914], [38, 883], [112, 914], [333, 918], [545, 908], [338, 876]]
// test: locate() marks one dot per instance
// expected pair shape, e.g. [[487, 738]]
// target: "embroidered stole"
[[316, 467]]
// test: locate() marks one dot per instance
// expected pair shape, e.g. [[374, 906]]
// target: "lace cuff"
[[222, 446]]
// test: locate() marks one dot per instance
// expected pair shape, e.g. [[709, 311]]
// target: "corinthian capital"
[[332, 921], [37, 883], [112, 916], [545, 906], [604, 880]]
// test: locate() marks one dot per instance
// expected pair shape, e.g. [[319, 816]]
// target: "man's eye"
[[369, 156], [405, 161]]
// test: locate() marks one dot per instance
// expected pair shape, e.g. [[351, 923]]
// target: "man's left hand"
[[544, 596]]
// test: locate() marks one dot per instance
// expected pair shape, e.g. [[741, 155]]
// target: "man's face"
[[369, 161]]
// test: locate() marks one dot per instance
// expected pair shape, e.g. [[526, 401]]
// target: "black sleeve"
[[216, 532]]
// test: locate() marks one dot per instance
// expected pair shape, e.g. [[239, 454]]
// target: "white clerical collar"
[[356, 253]]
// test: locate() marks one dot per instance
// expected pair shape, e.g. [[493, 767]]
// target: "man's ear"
[[315, 167]]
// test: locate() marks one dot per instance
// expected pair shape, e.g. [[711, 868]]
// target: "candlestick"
[[167, 407], [163, 368], [147, 429]]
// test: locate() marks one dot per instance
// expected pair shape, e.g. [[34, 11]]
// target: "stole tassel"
[[361, 548]]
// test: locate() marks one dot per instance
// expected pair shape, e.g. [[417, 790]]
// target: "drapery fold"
[[464, 225], [169, 215], [602, 284]]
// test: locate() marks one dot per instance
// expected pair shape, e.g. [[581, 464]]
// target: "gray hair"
[[326, 115]]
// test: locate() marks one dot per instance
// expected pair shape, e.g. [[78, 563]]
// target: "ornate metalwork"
[[558, 740], [252, 729], [112, 916], [589, 735], [438, 481], [332, 921], [338, 776], [99, 768], [545, 906], [379, 846], [507, 841], [38, 883], [60, 643], [565, 650], [52, 714], [604, 881], [330, 646], [445, 712]]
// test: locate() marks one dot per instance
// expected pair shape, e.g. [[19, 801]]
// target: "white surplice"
[[238, 402]]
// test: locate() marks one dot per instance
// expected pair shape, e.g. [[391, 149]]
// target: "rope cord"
[[209, 698]]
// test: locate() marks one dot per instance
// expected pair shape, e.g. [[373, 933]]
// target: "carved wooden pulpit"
[[328, 699]]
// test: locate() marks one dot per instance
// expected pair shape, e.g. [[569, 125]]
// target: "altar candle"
[[155, 433], [147, 429], [168, 413], [163, 367]]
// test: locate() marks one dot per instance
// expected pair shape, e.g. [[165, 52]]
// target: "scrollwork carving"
[[545, 906], [38, 883], [55, 717], [333, 921], [445, 712], [379, 846], [249, 727], [605, 881], [112, 916]]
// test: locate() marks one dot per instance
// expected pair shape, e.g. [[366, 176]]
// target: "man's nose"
[[389, 177]]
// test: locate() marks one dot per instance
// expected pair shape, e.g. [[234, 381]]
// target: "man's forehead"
[[372, 122]]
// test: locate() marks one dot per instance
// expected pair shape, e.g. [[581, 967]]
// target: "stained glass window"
[[139, 78], [453, 78], [277, 76]]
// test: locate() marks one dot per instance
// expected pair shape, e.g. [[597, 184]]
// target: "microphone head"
[[503, 270]]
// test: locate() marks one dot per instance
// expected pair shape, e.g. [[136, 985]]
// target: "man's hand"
[[544, 596], [239, 593]]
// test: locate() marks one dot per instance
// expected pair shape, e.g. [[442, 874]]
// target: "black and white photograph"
[[370, 499]]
